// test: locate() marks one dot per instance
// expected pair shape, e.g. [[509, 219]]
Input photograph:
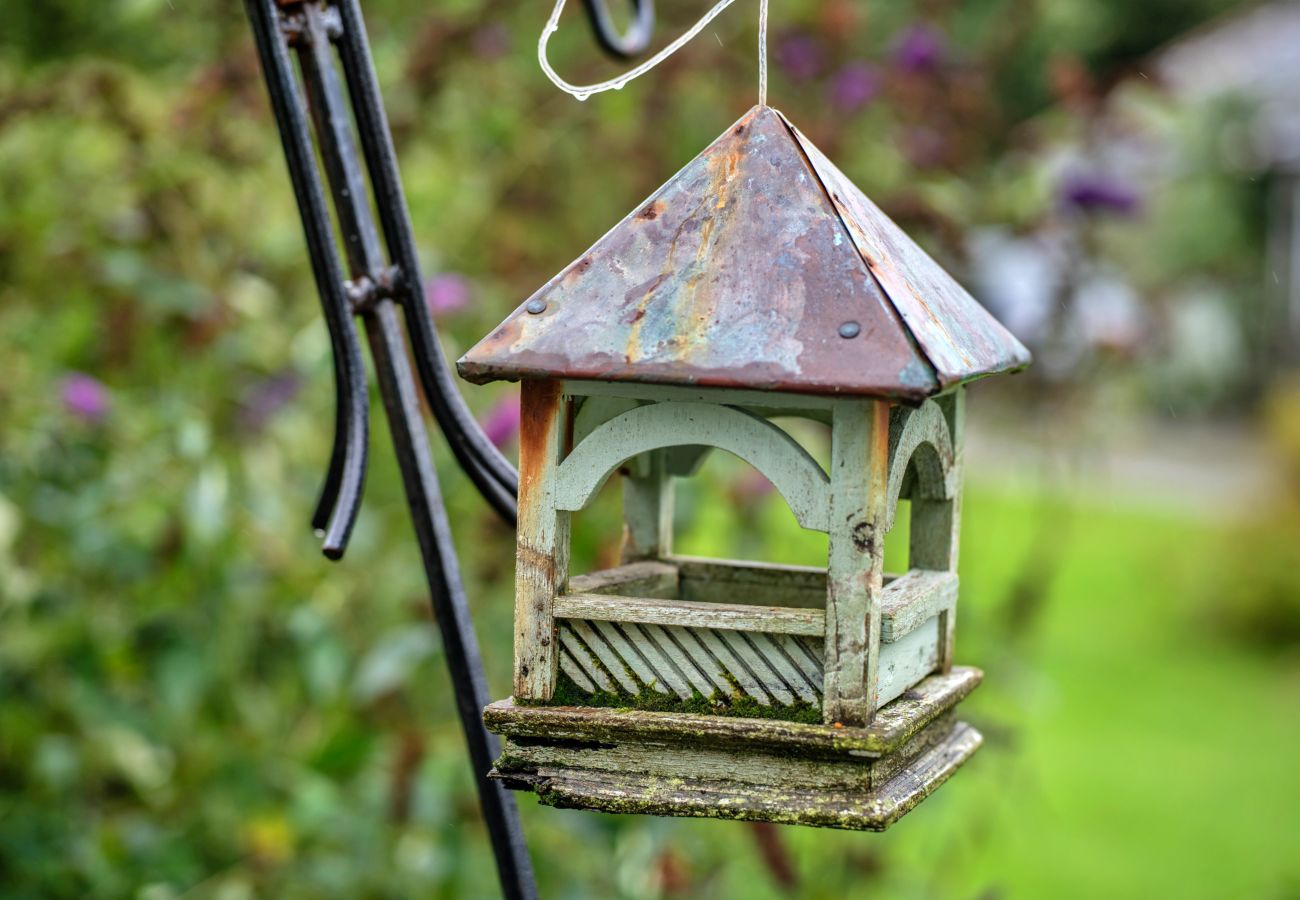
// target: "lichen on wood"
[[894, 725], [665, 763], [736, 704]]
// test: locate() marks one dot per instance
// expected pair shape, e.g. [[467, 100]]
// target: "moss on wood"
[[736, 704]]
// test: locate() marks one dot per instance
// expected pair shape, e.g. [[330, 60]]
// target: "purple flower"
[[84, 396], [920, 49], [446, 292], [502, 421], [491, 41], [267, 397], [1092, 193], [800, 55], [854, 86]]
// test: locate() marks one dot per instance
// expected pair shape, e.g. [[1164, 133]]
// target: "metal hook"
[[637, 37]]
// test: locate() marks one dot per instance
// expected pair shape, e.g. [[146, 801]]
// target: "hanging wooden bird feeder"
[[758, 282]]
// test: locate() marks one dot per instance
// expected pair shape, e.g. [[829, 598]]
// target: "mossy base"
[[831, 806], [683, 764]]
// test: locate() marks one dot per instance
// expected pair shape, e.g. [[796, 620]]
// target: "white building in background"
[[1255, 55]]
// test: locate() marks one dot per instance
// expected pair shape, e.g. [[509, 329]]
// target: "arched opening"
[[643, 431], [693, 631], [927, 506], [728, 509], [898, 543], [710, 516]]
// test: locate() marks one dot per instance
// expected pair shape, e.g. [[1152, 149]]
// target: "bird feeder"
[[757, 283]]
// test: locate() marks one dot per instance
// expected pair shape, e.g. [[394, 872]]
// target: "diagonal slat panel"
[[581, 659], [799, 657], [704, 671], [668, 674], [608, 656], [569, 666], [722, 655], [626, 649], [725, 665], [813, 652], [767, 647], [758, 666]]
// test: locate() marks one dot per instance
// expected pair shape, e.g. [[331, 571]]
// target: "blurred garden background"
[[195, 703]]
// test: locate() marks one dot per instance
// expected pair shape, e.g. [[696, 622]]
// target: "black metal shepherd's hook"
[[383, 289], [637, 38]]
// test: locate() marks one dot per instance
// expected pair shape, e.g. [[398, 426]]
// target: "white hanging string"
[[583, 91]]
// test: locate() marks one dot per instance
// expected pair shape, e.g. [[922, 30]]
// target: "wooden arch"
[[920, 436], [793, 472]]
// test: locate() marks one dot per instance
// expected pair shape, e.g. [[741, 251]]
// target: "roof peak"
[[758, 265]]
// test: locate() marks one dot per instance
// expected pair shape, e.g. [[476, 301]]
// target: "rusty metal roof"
[[756, 266]]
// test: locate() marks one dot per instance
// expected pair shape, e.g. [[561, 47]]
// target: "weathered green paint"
[[693, 764], [792, 471], [892, 727], [622, 656], [913, 599], [919, 444], [907, 660], [592, 412], [936, 505], [693, 643], [936, 525], [749, 582], [859, 472], [690, 613], [644, 578]]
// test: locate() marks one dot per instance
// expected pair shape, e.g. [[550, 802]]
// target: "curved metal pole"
[[491, 473], [385, 277], [340, 498], [309, 28]]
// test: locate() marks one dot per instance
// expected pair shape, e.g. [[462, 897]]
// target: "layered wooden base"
[[679, 764]]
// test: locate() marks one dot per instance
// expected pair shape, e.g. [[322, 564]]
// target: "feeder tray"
[[761, 770]]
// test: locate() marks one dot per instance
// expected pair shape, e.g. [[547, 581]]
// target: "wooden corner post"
[[542, 557], [859, 487], [933, 540]]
